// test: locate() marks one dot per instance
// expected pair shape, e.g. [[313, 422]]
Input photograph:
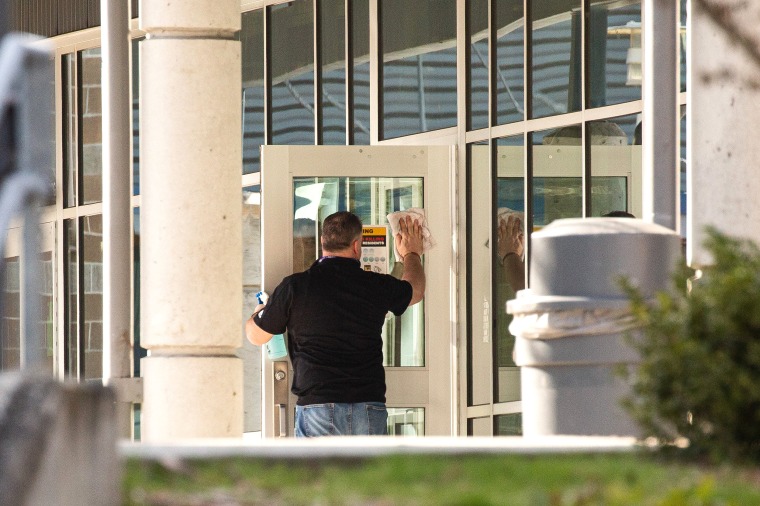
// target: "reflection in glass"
[[139, 351], [43, 331], [333, 61], [69, 114], [509, 20], [252, 54], [136, 116], [508, 260], [419, 66], [292, 70], [557, 175], [92, 299], [479, 258], [614, 34], [47, 295], [508, 425], [72, 355], [477, 76], [371, 199], [684, 166], [615, 164], [251, 285], [555, 57], [406, 421], [10, 334], [682, 44], [360, 71], [90, 126]]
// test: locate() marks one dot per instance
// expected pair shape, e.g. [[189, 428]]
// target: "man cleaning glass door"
[[334, 313]]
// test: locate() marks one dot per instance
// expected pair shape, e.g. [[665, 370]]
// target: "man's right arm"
[[414, 273], [409, 245]]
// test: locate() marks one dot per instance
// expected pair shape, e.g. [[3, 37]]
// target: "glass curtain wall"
[[547, 62]]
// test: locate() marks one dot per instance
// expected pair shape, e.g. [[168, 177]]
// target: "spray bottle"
[[276, 346]]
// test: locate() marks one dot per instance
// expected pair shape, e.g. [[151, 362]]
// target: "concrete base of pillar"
[[191, 397]]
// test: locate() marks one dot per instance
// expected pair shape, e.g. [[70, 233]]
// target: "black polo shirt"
[[334, 314]]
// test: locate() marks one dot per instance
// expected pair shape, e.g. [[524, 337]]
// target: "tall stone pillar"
[[190, 219], [723, 121]]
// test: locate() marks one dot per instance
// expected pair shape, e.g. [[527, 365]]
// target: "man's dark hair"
[[340, 230], [618, 214]]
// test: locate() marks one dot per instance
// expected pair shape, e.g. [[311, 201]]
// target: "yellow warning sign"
[[375, 248], [374, 230]]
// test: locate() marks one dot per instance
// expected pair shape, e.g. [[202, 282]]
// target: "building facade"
[[539, 101]]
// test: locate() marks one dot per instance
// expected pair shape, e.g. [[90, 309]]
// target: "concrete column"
[[117, 207], [723, 124], [191, 219]]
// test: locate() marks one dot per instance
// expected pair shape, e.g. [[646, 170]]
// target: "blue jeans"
[[342, 419]]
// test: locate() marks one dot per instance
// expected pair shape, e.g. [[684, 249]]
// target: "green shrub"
[[700, 372]]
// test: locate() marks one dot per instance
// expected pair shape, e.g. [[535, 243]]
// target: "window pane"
[[249, 353], [615, 165], [556, 57], [557, 175], [139, 351], [508, 262], [477, 24], [360, 74], [71, 300], [406, 421], [136, 117], [90, 124], [509, 74], [252, 49], [683, 182], [40, 334], [479, 342], [332, 52], [682, 45], [508, 425], [47, 295], [292, 66], [69, 113], [10, 338], [419, 72], [92, 301], [614, 52]]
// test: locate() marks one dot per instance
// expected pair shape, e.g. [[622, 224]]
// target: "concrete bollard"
[[57, 443], [569, 326]]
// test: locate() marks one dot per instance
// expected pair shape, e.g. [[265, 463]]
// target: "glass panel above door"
[[418, 66]]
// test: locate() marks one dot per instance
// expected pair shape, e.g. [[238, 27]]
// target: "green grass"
[[600, 479]]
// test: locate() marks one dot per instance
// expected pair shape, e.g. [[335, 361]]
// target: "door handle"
[[283, 416], [281, 399]]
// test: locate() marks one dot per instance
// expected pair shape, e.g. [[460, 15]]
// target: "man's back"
[[334, 313]]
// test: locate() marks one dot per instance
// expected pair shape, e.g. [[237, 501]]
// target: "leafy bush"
[[700, 372]]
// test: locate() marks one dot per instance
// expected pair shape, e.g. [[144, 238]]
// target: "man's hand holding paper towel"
[[409, 246]]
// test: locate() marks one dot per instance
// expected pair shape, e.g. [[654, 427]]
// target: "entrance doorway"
[[300, 186]]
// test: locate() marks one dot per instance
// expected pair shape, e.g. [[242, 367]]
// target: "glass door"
[[301, 185]]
